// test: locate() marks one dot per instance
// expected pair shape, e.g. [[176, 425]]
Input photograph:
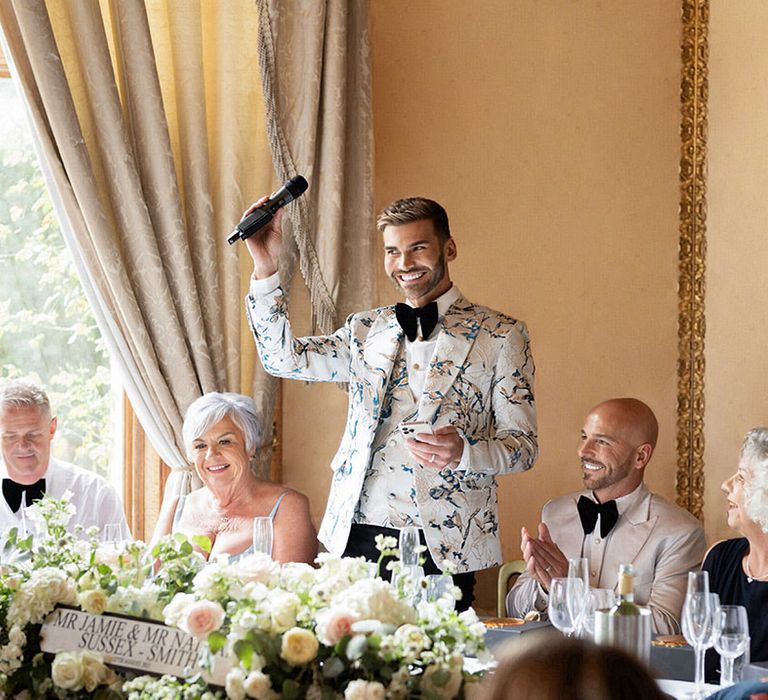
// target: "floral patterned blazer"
[[480, 380]]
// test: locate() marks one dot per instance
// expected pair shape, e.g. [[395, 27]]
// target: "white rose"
[[333, 624], [282, 609], [257, 685], [67, 671], [202, 618], [299, 646], [93, 601], [257, 568], [234, 685], [365, 690], [94, 670]]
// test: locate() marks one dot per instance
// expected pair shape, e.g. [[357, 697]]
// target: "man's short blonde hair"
[[406, 211], [20, 393]]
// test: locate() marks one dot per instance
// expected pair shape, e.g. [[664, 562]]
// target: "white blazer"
[[662, 541], [480, 380]]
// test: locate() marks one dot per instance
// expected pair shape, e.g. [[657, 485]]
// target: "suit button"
[[594, 573], [392, 443], [597, 541], [416, 366]]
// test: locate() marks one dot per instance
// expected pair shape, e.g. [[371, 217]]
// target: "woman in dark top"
[[738, 568]]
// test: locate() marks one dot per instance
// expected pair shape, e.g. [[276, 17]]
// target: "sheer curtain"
[[155, 132]]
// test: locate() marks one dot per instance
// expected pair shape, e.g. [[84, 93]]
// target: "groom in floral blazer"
[[440, 398]]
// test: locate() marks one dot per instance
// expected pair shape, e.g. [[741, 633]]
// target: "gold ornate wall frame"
[[693, 220]]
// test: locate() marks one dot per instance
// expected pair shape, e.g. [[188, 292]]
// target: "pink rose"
[[333, 624], [202, 618]]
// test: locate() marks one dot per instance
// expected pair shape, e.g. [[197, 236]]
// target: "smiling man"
[[29, 472], [440, 398], [616, 520]]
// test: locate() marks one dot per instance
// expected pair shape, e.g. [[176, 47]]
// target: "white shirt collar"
[[4, 470], [444, 301], [624, 503]]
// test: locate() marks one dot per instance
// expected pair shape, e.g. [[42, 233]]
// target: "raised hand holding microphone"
[[265, 216]]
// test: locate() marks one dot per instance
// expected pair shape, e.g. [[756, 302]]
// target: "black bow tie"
[[408, 316], [589, 510], [12, 492]]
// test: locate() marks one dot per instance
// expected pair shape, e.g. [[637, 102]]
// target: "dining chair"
[[508, 573]]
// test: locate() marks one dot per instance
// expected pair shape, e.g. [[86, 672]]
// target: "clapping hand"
[[543, 558]]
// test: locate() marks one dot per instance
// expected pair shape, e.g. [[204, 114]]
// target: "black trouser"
[[361, 543]]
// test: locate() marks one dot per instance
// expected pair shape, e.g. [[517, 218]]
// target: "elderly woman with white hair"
[[221, 436], [738, 568]]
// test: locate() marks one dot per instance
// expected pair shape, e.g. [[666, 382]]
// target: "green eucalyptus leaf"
[[216, 641], [202, 542], [244, 652], [333, 667]]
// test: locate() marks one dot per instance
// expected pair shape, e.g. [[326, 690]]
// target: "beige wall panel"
[[737, 242], [549, 130]]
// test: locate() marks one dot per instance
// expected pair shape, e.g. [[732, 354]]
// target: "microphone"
[[260, 217]]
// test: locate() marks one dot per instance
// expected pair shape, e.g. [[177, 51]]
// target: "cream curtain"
[[150, 123]]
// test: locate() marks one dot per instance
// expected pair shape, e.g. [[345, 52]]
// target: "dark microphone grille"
[[296, 186]]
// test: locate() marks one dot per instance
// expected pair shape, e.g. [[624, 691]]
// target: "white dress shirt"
[[95, 500]]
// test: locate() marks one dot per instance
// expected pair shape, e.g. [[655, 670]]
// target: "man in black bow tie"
[[462, 372], [29, 471], [616, 520]]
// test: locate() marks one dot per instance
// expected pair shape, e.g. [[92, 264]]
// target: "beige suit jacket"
[[662, 542]]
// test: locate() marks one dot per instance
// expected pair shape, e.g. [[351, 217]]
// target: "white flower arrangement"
[[290, 631]]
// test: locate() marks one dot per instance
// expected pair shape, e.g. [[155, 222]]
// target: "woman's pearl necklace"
[[750, 577]]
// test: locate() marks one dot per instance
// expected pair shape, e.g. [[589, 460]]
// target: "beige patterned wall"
[[550, 131], [736, 379]]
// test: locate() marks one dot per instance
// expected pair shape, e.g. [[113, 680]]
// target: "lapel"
[[637, 527], [569, 536], [457, 335], [382, 344]]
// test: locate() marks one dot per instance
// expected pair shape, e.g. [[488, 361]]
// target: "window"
[[47, 330]]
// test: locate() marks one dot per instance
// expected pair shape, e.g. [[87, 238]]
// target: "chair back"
[[508, 573]]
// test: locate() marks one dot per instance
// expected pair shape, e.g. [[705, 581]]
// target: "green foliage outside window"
[[47, 330]]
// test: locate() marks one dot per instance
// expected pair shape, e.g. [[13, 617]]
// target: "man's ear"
[[643, 456], [449, 250], [53, 426]]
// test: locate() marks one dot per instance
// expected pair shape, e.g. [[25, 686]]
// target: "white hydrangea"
[[375, 599], [141, 601], [175, 611]]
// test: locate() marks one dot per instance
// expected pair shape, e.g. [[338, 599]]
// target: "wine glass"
[[699, 619], [597, 599], [733, 639], [409, 541], [406, 580], [579, 569], [262, 535], [563, 614], [112, 533], [438, 586]]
